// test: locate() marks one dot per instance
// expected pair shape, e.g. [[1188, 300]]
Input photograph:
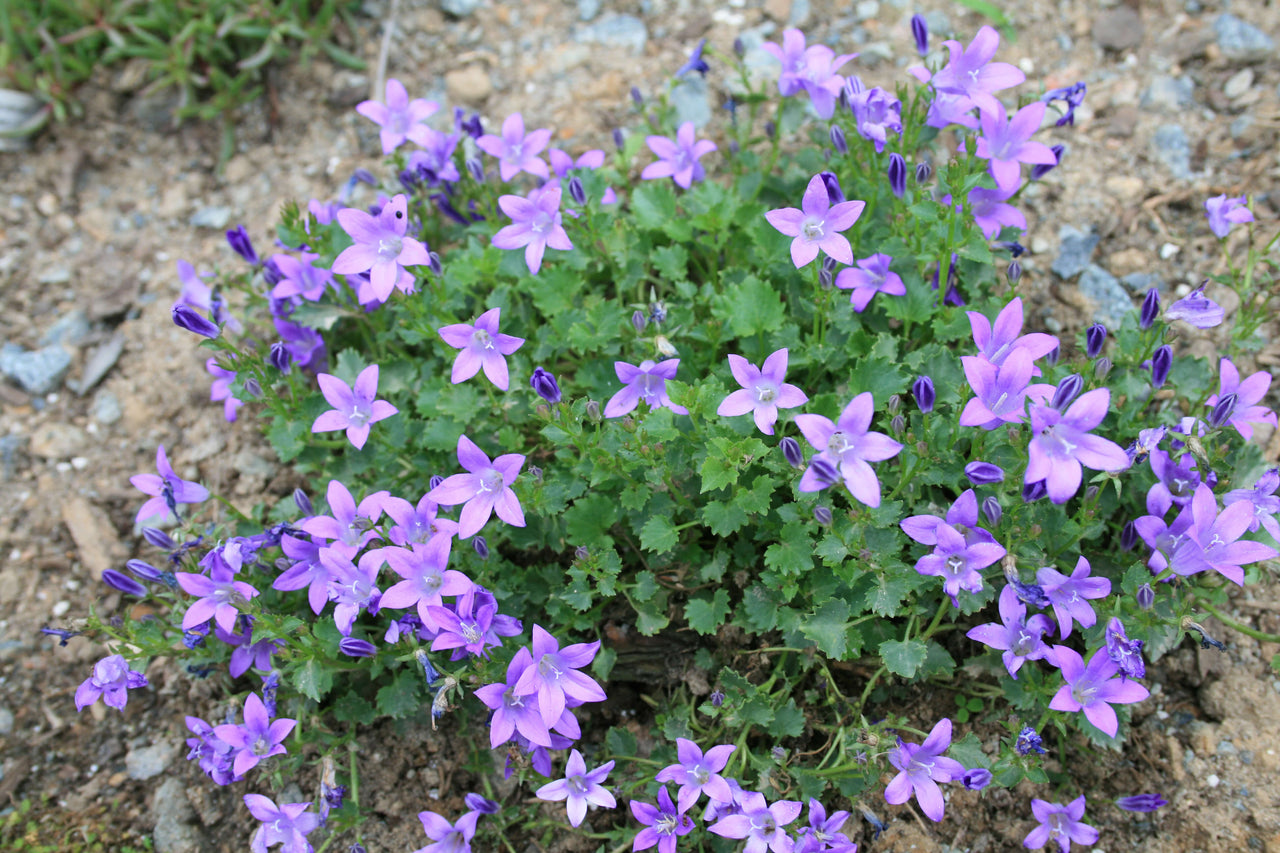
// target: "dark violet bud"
[[544, 383], [1142, 802], [1150, 309], [1101, 368], [354, 647], [302, 502], [1029, 742], [618, 139], [991, 510], [638, 320], [739, 48], [984, 473], [187, 318], [122, 582], [593, 411], [408, 180], [576, 192], [923, 391], [893, 404], [838, 141], [1145, 596], [1161, 364], [429, 673], [1051, 358], [363, 176], [582, 552], [146, 571], [194, 639], [239, 241], [536, 473], [271, 273], [1094, 337], [717, 698], [434, 482], [897, 175], [920, 30], [1014, 271], [252, 388], [829, 263], [976, 779], [158, 538], [1032, 492], [279, 357], [1129, 536], [433, 263], [834, 194], [923, 173], [481, 545], [477, 803], [270, 684], [1222, 411], [636, 96], [898, 424], [822, 515], [357, 848], [475, 169], [824, 472], [792, 452], [1039, 170], [825, 279], [770, 129], [1067, 391]]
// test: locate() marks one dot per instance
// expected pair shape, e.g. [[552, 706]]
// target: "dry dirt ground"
[[95, 215]]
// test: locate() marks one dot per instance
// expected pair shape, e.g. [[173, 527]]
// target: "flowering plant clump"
[[926, 482]]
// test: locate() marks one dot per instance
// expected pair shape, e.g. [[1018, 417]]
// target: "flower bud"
[[984, 473], [1222, 411], [481, 545], [582, 553], [976, 778], [1150, 309], [1014, 271], [822, 515], [271, 274], [1067, 390], [1101, 368], [544, 383], [1142, 802], [834, 194], [356, 648], [823, 471], [122, 582], [593, 411], [920, 30], [576, 191], [146, 571], [992, 510], [893, 404], [1032, 492], [1039, 170], [480, 804], [536, 473], [826, 280], [897, 175], [433, 263], [1051, 357], [779, 754], [1145, 596], [792, 452], [280, 358], [922, 389], [838, 141], [302, 502], [239, 241], [434, 482], [1161, 364], [1094, 337], [636, 96], [717, 698], [159, 538], [770, 129], [187, 318], [898, 424], [1128, 536], [618, 138], [923, 172], [475, 168], [252, 388]]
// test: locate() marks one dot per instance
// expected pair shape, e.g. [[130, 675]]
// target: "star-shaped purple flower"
[[1000, 392], [697, 773], [1197, 309], [381, 247], [647, 382], [848, 444], [286, 825], [111, 680], [1006, 142], [1093, 688], [958, 562], [1262, 498], [763, 391], [871, 276], [517, 151], [554, 676], [1062, 443], [535, 225], [481, 346], [817, 225], [921, 768], [166, 488], [971, 73], [1224, 212], [485, 489], [996, 341], [354, 407], [399, 117], [1021, 639], [579, 788], [678, 159], [1063, 824], [425, 578], [1070, 595], [760, 824], [992, 214], [257, 738], [220, 597], [220, 389], [448, 837], [1249, 394], [663, 823]]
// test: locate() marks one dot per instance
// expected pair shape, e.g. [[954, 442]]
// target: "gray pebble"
[[460, 8], [38, 372], [1140, 282], [149, 761], [691, 101], [939, 24], [800, 12], [69, 330], [1168, 94], [866, 9], [176, 830], [100, 360], [1173, 149], [211, 217], [1238, 84], [106, 408], [10, 445], [1240, 125], [1076, 248], [55, 275], [626, 31], [1105, 291], [1241, 41], [6, 722], [588, 9]]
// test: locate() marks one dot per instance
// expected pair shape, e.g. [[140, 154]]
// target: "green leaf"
[[653, 204], [401, 697], [751, 307], [717, 473], [353, 708], [620, 742], [794, 554], [288, 437], [658, 534], [788, 721], [826, 628], [313, 680], [723, 518], [903, 657], [706, 615]]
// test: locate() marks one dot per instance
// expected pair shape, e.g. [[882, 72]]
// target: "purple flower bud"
[[1145, 596], [976, 779], [1101, 368], [770, 129], [252, 388], [1142, 802], [824, 472], [480, 804], [992, 510], [280, 358], [544, 383], [354, 647], [357, 848], [826, 280], [1032, 492], [408, 180], [1029, 742], [476, 169], [1094, 337], [593, 411], [1128, 536], [434, 482], [1150, 309], [302, 502], [618, 139], [363, 176], [1222, 411], [270, 684], [717, 698], [638, 320], [1067, 391], [829, 263], [898, 424], [433, 263], [739, 48], [791, 452], [64, 636], [576, 191], [122, 582], [636, 96], [1051, 357], [1039, 170], [822, 515], [146, 571], [853, 85], [582, 552], [239, 241], [187, 318], [271, 273], [838, 141], [1161, 363], [923, 172], [1014, 271], [536, 473], [897, 175], [920, 30], [984, 473], [923, 391], [158, 538], [481, 545]]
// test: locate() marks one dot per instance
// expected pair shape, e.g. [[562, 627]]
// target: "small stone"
[[588, 9], [1173, 149], [1168, 94], [460, 8], [866, 10], [800, 12], [939, 24], [106, 408], [468, 85], [1212, 780], [10, 446], [175, 827], [149, 761], [54, 275], [1239, 83], [1168, 250], [1105, 291], [6, 722], [1128, 261], [58, 441], [94, 534], [1241, 41], [70, 330], [691, 100], [211, 217], [778, 10], [47, 204], [1240, 125], [100, 360], [615, 30], [1118, 29], [1076, 248], [1127, 189], [1140, 282]]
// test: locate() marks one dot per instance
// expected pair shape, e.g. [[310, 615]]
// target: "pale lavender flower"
[[1021, 639], [663, 823], [111, 680], [220, 390], [286, 825], [697, 773], [1224, 212], [516, 151], [425, 578], [961, 515], [1006, 142], [354, 407], [166, 488], [301, 277], [485, 489], [512, 713], [848, 444], [760, 824], [1217, 539], [434, 163], [992, 214], [1249, 395], [871, 276], [678, 159], [1070, 595], [1262, 499], [257, 738], [764, 390], [817, 225], [971, 73], [877, 113], [823, 833], [1093, 688], [647, 382], [416, 525], [247, 653], [1175, 482], [1063, 824], [921, 768], [219, 597], [352, 587], [809, 68], [381, 247], [399, 117], [996, 341], [561, 162], [469, 627], [535, 225], [1001, 392], [448, 837], [958, 562], [481, 346], [579, 788], [307, 570], [350, 526], [1062, 443], [554, 676], [1197, 309]]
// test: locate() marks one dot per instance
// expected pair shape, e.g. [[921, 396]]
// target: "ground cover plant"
[[908, 489]]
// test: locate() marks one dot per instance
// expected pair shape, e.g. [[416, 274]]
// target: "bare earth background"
[[1182, 105]]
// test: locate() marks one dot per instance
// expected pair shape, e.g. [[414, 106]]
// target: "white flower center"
[[389, 248]]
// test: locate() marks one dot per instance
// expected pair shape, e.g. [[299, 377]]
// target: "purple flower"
[[647, 382], [697, 773], [166, 488], [695, 61], [1197, 309], [848, 444], [1061, 444], [220, 598], [962, 515], [258, 738], [481, 345], [678, 159], [470, 626], [535, 225], [350, 526], [663, 824], [976, 778], [958, 562], [997, 341], [352, 588], [1175, 482], [554, 676], [992, 214], [1072, 96], [761, 824], [984, 473], [1215, 539], [817, 225], [1126, 653], [1006, 142], [448, 837], [248, 654], [1070, 595], [764, 391], [823, 833], [301, 277], [877, 112], [579, 788], [1142, 802], [434, 164], [220, 390], [1000, 392], [1249, 395], [971, 73], [921, 768], [545, 386], [416, 525], [111, 680], [871, 276], [425, 578], [485, 489], [1021, 639], [188, 318], [809, 68], [512, 713], [287, 825], [399, 118], [1262, 498], [381, 247], [1093, 688], [354, 407], [516, 151], [1224, 212], [1063, 824]]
